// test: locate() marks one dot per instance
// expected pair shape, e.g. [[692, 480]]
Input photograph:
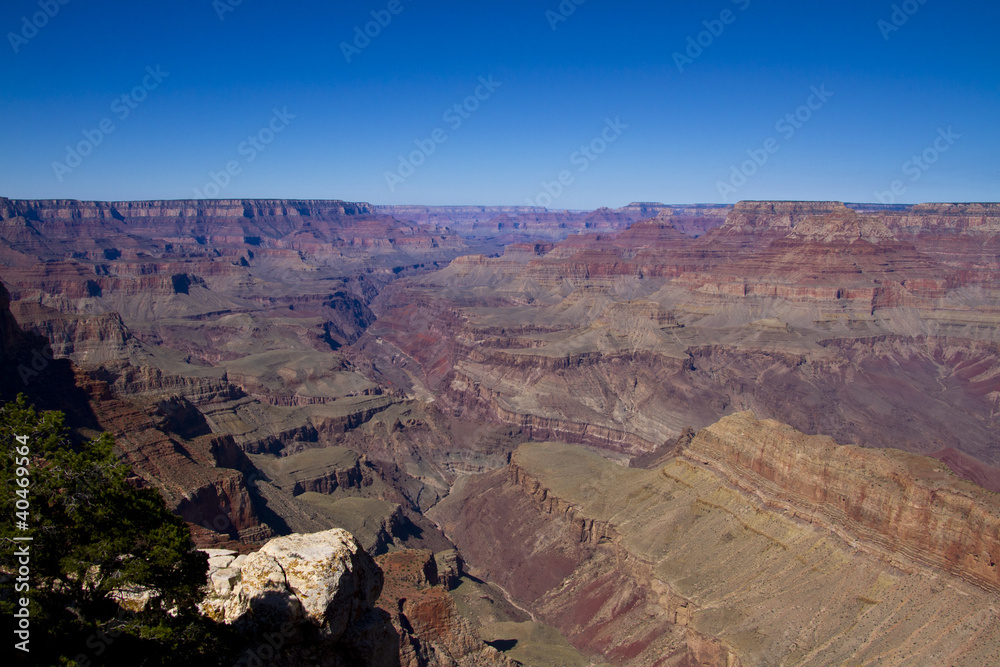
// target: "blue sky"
[[259, 99]]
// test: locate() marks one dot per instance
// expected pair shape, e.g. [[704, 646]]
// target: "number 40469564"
[[22, 480]]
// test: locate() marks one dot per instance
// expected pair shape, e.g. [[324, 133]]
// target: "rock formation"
[[910, 506], [332, 604], [432, 631], [836, 320], [317, 592], [758, 545]]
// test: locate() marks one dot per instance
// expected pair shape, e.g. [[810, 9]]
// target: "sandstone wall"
[[906, 505]]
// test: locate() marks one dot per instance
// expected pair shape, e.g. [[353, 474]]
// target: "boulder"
[[324, 580]]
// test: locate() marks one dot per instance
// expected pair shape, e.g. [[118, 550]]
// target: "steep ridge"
[[568, 569], [821, 252], [432, 630], [202, 477], [909, 506], [712, 553], [31, 368]]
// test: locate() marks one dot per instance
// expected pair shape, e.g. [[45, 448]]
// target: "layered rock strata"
[[724, 566], [908, 506], [432, 631], [876, 326]]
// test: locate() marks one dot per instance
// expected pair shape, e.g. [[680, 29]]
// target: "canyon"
[[796, 551], [654, 435]]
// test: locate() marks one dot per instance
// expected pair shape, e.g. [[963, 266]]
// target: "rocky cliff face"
[[30, 367], [201, 476], [316, 593], [762, 218], [930, 219], [909, 506], [325, 601], [11, 336], [63, 209], [567, 568], [433, 633], [724, 566]]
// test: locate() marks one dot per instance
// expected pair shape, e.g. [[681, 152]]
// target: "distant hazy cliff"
[[43, 209]]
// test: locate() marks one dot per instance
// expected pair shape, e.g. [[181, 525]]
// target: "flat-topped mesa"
[[63, 209], [978, 219], [456, 213], [527, 251], [624, 317], [844, 226], [644, 209], [779, 218], [904, 504], [605, 219], [774, 217], [991, 209]]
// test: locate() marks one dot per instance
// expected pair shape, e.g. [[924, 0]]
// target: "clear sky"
[[618, 100]]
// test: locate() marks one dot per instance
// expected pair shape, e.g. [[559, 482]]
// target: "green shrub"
[[93, 538]]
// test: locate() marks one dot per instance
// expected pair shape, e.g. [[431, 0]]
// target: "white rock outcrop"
[[325, 580]]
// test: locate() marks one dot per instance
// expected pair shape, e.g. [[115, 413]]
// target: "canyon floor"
[[656, 435]]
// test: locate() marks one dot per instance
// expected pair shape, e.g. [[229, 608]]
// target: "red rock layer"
[[574, 572], [201, 477], [432, 632], [906, 505]]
